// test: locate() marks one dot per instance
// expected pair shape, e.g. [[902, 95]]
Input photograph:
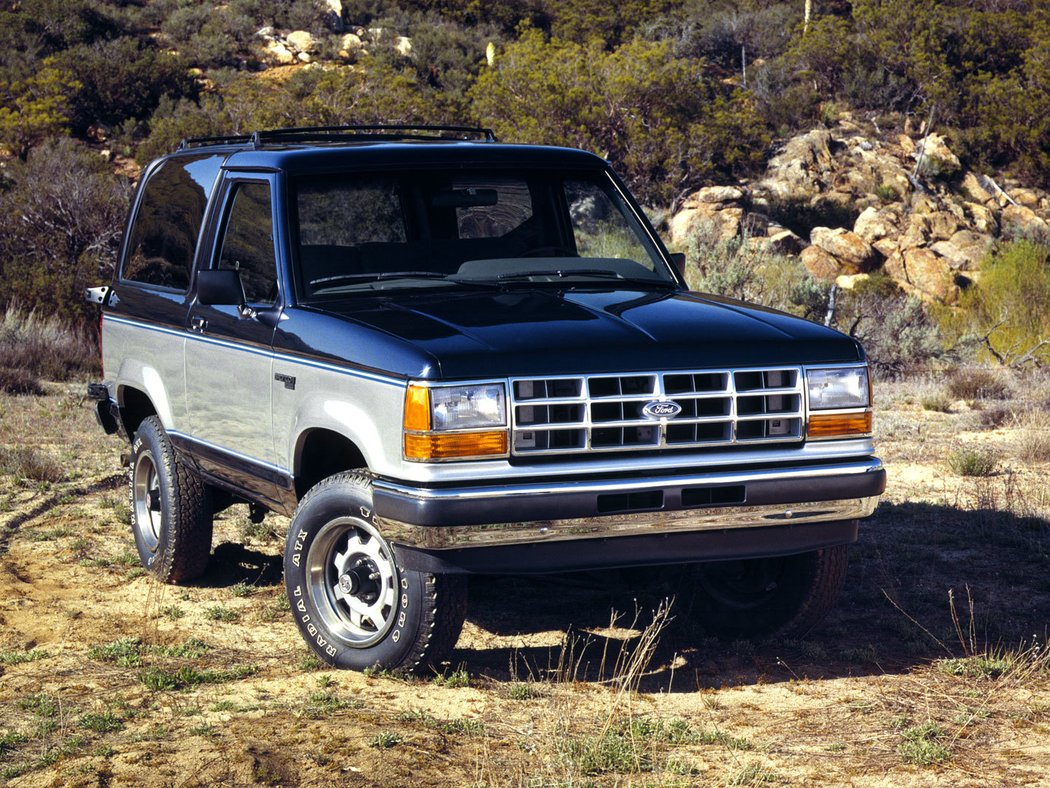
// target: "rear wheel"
[[354, 605], [170, 515], [761, 597]]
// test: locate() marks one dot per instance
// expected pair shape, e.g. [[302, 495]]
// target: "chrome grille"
[[573, 414]]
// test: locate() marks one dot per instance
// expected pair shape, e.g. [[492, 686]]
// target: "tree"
[[61, 217], [667, 126], [35, 107]]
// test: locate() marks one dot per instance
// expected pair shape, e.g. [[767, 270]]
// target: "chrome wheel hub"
[[353, 581]]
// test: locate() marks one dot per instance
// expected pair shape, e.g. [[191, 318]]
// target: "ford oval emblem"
[[661, 409]]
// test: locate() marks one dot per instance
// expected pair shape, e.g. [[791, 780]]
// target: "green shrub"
[[923, 745], [1008, 311], [972, 461], [627, 104], [121, 79], [735, 269]]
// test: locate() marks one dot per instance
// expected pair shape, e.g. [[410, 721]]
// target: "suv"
[[441, 355]]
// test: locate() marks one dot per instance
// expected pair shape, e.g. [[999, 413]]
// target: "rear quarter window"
[[163, 239]]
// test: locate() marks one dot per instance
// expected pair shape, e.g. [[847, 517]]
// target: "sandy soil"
[[930, 671]]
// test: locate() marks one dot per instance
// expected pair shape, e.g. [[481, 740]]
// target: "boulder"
[[850, 281], [265, 33], [907, 144], [403, 46], [280, 53], [715, 195], [964, 250], [351, 42], [942, 225], [1019, 220], [974, 189], [705, 219], [874, 224], [935, 157], [982, 218], [820, 264], [300, 41], [887, 246], [1029, 198], [784, 242], [794, 173], [854, 253], [931, 274]]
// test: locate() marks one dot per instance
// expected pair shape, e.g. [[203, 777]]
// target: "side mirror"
[[678, 260], [220, 288]]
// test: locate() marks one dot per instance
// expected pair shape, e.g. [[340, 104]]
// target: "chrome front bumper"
[[518, 514]]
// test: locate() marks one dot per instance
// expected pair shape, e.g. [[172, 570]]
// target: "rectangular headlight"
[[455, 422], [841, 387], [468, 407]]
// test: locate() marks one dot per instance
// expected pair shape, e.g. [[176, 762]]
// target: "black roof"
[[366, 147]]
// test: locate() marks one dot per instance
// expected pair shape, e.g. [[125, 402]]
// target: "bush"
[[897, 333], [1008, 311], [120, 80], [61, 216], [967, 461], [33, 347], [976, 383], [736, 270]]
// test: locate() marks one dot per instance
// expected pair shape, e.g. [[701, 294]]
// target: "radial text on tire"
[[354, 605]]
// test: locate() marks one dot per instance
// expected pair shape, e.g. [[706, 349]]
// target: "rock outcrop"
[[896, 205]]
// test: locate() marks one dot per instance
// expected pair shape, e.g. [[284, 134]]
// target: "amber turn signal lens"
[[457, 444], [417, 408], [839, 425]]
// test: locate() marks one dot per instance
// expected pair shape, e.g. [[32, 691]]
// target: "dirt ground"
[[932, 669]]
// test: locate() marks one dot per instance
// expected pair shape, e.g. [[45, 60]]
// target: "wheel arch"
[[135, 406], [321, 452]]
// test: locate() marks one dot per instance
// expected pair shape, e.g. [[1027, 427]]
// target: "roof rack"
[[259, 139]]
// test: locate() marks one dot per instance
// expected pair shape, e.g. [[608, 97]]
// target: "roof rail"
[[391, 132], [201, 142]]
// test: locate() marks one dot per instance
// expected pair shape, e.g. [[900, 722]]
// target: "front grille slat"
[[604, 413]]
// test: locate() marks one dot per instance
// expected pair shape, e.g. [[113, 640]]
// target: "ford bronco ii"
[[442, 355]]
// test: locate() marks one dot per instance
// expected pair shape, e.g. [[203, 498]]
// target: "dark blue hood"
[[537, 331]]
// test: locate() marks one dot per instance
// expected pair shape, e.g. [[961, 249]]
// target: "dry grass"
[[931, 670], [35, 347]]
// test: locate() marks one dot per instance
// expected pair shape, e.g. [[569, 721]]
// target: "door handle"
[[198, 324]]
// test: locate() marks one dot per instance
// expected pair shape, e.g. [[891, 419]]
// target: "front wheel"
[[762, 597], [354, 606]]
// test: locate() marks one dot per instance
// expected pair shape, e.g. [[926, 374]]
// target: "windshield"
[[361, 233]]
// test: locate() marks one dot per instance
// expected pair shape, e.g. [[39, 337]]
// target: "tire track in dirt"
[[10, 528]]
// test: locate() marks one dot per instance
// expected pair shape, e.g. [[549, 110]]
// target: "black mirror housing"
[[220, 288]]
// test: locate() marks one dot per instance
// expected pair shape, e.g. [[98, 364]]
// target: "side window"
[[164, 237], [247, 244]]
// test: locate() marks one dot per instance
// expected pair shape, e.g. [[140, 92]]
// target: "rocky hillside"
[[852, 203]]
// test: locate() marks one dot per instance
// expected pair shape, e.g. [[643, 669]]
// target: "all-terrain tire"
[[171, 515], [355, 606], [765, 597]]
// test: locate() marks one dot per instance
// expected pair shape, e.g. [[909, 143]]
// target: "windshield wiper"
[[602, 273], [558, 272], [376, 277]]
